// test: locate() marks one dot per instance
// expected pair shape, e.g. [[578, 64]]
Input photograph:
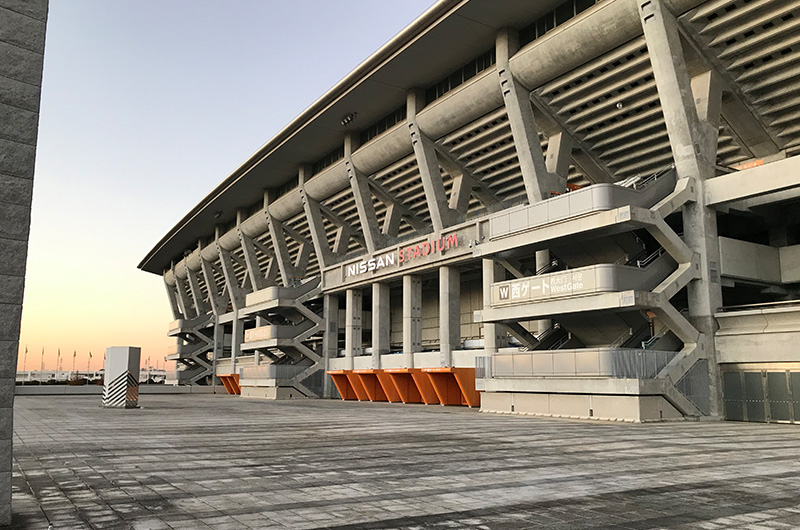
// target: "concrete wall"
[[790, 264], [749, 261], [22, 30]]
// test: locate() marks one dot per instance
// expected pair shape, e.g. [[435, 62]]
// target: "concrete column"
[[352, 326], [260, 322], [219, 348], [494, 336], [449, 313], [412, 318], [542, 259], [330, 338], [237, 338], [691, 112], [381, 325], [20, 87], [559, 154]]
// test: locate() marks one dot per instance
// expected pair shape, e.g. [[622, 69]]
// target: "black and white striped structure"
[[592, 204], [121, 388]]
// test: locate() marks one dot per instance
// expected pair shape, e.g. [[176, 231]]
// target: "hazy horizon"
[[145, 108]]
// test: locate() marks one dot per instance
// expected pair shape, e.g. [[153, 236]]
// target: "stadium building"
[[558, 208]]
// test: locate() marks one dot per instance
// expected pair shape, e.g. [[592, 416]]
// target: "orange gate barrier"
[[455, 386], [389, 388], [373, 388], [231, 383], [404, 384], [445, 386], [358, 386], [343, 384], [424, 386]]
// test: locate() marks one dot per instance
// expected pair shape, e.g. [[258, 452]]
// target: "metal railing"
[[642, 263]]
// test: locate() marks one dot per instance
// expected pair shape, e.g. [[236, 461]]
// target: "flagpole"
[[88, 361], [41, 368], [25, 361]]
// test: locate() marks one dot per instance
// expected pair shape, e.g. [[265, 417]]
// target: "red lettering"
[[416, 251], [400, 257], [440, 244], [426, 248], [452, 240]]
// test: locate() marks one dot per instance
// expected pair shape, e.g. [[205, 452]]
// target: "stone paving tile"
[[188, 462]]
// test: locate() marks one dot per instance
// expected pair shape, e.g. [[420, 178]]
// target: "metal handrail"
[[647, 180], [553, 263], [562, 341], [641, 263]]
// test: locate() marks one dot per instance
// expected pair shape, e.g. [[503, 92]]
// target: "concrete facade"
[[568, 205], [22, 34]]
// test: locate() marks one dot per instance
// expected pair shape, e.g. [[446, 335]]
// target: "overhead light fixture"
[[217, 214], [619, 105], [348, 119]]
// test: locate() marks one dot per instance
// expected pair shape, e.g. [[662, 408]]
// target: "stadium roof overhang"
[[415, 58]]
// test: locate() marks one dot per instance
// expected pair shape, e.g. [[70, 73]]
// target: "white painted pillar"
[[449, 313], [412, 318], [352, 327]]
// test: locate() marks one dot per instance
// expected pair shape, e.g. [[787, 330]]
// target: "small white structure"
[[121, 387]]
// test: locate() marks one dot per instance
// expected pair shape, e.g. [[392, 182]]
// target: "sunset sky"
[[146, 106]]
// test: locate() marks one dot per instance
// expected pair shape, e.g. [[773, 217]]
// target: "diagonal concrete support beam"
[[173, 300], [184, 301], [315, 222], [278, 236], [359, 183], [391, 223], [343, 234], [390, 200], [465, 183], [539, 182], [584, 157], [427, 162], [257, 278], [218, 302], [231, 282], [197, 294], [271, 274]]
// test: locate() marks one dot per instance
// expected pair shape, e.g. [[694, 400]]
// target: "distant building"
[[582, 209], [156, 375]]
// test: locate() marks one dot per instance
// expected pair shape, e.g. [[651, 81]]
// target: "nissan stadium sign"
[[403, 255]]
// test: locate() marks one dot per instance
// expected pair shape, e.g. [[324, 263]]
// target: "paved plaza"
[[224, 462]]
